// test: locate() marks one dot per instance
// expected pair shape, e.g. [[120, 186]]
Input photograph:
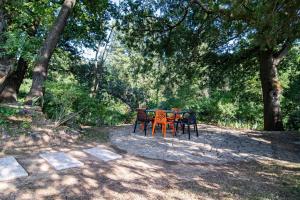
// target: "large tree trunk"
[[41, 68], [10, 88], [271, 90]]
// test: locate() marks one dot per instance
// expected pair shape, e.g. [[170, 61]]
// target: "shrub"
[[64, 98]]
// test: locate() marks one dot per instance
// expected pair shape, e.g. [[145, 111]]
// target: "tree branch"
[[170, 27], [224, 12], [181, 20], [278, 56], [204, 7]]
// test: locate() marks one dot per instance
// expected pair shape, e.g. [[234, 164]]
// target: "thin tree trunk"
[[98, 65], [95, 78], [41, 68], [271, 90], [10, 88]]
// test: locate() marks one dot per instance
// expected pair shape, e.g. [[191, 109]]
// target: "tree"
[[262, 30], [12, 78], [44, 56], [10, 88]]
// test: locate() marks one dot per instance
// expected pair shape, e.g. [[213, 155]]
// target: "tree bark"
[[271, 90], [41, 68], [10, 88]]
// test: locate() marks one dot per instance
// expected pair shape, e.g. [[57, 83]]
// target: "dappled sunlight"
[[19, 119], [69, 180], [136, 177], [90, 183], [7, 187], [261, 140], [214, 145], [140, 178], [44, 192], [42, 129]]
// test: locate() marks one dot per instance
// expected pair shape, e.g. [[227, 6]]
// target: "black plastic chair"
[[142, 118], [189, 119]]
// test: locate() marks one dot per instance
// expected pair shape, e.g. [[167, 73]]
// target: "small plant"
[[26, 125]]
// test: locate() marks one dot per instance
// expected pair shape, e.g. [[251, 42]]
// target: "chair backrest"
[[190, 117], [176, 110], [160, 116], [141, 114]]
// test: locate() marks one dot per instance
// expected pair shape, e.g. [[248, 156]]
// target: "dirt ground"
[[134, 177]]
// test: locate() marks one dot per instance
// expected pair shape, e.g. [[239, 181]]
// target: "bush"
[[227, 109], [64, 98]]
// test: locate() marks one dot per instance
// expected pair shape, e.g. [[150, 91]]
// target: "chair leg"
[[153, 128], [183, 127], [164, 127], [135, 124], [145, 128], [189, 131], [197, 130], [173, 129]]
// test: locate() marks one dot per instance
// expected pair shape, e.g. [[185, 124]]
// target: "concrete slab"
[[60, 160], [11, 169], [102, 154]]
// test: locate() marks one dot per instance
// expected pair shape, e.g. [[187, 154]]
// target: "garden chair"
[[161, 118], [189, 119], [174, 116], [143, 119]]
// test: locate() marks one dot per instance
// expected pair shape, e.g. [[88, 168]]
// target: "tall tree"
[[44, 56], [262, 30]]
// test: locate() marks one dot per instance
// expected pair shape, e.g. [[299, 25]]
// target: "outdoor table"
[[167, 111], [182, 112]]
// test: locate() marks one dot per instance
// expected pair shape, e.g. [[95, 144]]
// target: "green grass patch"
[[6, 112]]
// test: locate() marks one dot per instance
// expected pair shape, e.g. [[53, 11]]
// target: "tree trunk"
[[2, 18], [10, 88], [271, 90], [41, 68], [98, 67], [95, 80]]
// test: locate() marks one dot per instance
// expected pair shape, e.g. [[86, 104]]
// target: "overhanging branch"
[[224, 12], [204, 7], [278, 56]]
